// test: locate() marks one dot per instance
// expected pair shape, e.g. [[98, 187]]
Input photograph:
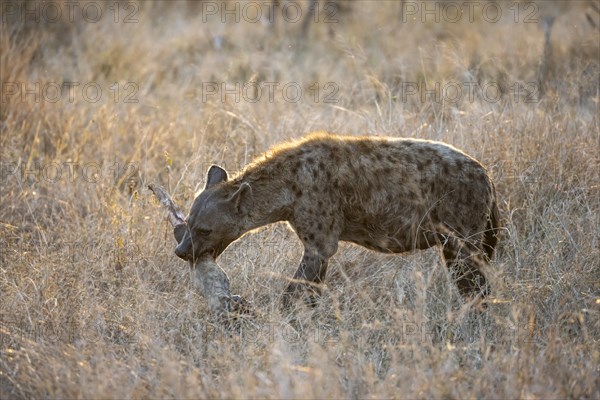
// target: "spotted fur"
[[390, 195]]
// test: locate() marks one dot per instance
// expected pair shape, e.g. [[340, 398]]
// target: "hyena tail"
[[492, 231]]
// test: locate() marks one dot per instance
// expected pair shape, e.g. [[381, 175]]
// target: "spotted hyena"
[[390, 195]]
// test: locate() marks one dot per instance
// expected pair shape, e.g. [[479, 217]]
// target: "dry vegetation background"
[[94, 303]]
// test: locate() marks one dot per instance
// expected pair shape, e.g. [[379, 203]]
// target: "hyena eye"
[[204, 232]]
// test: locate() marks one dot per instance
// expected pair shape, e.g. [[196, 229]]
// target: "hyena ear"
[[214, 176], [179, 232], [242, 197]]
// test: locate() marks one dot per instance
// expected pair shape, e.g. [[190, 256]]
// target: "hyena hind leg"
[[463, 260]]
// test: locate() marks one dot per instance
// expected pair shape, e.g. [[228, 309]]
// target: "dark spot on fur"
[[296, 167], [334, 157], [432, 152], [434, 215], [297, 191], [364, 147], [424, 164], [311, 237], [320, 227], [325, 147], [310, 160]]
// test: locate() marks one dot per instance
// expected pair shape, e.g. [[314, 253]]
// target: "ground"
[[95, 304]]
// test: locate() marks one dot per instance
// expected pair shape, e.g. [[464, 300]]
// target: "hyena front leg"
[[465, 263], [320, 239], [306, 280]]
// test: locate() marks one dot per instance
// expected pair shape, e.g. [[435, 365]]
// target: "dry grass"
[[96, 305]]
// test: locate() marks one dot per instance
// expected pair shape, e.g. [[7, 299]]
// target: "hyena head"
[[216, 218]]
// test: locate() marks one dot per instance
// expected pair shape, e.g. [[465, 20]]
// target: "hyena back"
[[390, 195]]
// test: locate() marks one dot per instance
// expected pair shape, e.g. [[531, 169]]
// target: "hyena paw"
[[239, 305], [305, 291]]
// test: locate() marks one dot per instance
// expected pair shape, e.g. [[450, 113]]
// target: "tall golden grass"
[[96, 305]]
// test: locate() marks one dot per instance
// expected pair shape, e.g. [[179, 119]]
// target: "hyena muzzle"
[[390, 195]]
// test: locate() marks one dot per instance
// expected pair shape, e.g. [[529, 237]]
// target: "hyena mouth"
[[215, 251], [211, 252]]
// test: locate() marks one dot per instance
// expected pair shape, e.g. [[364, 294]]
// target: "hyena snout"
[[184, 249]]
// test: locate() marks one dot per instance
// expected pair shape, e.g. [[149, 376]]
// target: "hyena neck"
[[269, 204]]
